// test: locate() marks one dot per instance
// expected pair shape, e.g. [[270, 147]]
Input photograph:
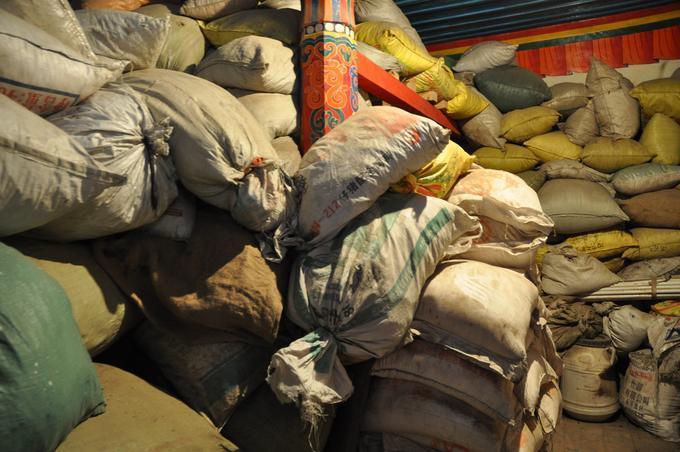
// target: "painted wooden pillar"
[[329, 67]]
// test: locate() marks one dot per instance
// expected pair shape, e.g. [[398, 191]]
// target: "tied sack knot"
[[156, 138]]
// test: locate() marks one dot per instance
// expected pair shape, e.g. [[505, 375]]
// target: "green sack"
[[48, 383], [511, 87]]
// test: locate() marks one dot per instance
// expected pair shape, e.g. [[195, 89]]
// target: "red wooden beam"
[[374, 80]]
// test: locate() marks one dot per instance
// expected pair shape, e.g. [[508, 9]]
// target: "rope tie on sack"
[[156, 144]]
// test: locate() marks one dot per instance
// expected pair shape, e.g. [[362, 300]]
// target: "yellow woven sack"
[[512, 158], [609, 154], [659, 96], [654, 243], [466, 104], [667, 308], [553, 146], [439, 78], [520, 125], [603, 245], [437, 177], [615, 265], [662, 137], [391, 39]]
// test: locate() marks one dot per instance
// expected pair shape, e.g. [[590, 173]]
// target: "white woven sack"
[[462, 308], [116, 128], [44, 172], [357, 294], [123, 35], [486, 55], [254, 63], [387, 143], [43, 74]]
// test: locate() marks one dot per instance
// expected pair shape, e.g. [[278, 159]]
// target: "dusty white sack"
[[660, 269], [177, 222], [566, 271], [513, 223], [430, 417], [540, 372], [577, 206], [123, 35], [435, 366], [254, 63], [289, 153], [115, 127], [461, 308], [357, 295], [44, 172], [41, 73], [571, 169], [276, 113], [627, 327], [650, 398], [213, 9], [645, 178], [382, 59], [227, 163], [486, 55], [55, 17], [388, 143]]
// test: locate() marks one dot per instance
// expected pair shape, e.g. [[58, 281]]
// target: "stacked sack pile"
[[139, 198], [138, 188], [385, 36]]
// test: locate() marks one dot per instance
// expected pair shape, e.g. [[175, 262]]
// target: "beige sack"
[[55, 17], [486, 55], [484, 129], [461, 309], [566, 271], [578, 206], [571, 169], [618, 114], [289, 153], [514, 225], [444, 370], [388, 144], [277, 113], [254, 63], [43, 74], [581, 127], [122, 35], [567, 97], [44, 172], [185, 46], [244, 176], [601, 78], [645, 178], [429, 416], [213, 9]]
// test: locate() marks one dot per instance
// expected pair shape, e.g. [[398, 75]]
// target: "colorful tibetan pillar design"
[[329, 67]]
